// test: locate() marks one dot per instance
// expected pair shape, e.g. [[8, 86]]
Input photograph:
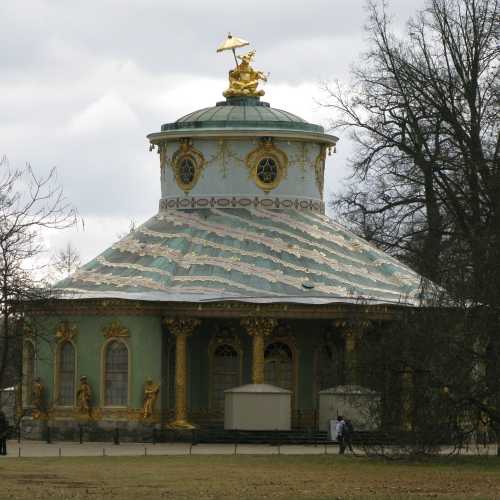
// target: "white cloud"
[[108, 112], [83, 83]]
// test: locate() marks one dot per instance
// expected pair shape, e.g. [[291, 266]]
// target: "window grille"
[[171, 376], [327, 368], [226, 373], [116, 378], [278, 368], [29, 372], [66, 374]]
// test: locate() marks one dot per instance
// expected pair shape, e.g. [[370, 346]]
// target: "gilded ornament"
[[223, 156], [267, 165], [188, 164], [65, 331], [84, 397], [258, 328], [319, 169], [181, 326], [151, 391], [181, 329], [28, 330], [244, 80], [37, 398], [164, 158], [301, 158], [352, 331], [114, 330]]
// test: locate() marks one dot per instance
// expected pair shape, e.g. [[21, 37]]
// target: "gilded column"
[[181, 329], [352, 332], [258, 329]]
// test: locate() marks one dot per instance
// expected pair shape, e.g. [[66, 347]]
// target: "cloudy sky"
[[82, 83]]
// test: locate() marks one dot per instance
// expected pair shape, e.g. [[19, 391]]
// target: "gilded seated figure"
[[243, 80]]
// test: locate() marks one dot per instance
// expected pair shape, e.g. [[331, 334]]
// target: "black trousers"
[[345, 441], [3, 446]]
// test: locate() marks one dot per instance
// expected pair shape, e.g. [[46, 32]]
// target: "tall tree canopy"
[[423, 112]]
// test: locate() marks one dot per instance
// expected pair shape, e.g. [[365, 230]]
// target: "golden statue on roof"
[[243, 80]]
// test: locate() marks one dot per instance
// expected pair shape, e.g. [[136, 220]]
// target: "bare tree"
[[29, 205], [423, 112], [67, 260]]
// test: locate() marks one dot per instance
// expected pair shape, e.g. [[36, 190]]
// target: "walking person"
[[4, 427], [340, 430], [347, 436]]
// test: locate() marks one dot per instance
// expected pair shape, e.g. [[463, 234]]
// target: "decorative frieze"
[[188, 202]]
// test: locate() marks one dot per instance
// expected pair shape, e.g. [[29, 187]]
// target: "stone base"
[[89, 430], [358, 404], [33, 429]]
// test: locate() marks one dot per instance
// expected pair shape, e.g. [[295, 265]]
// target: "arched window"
[[278, 369], [225, 373], [66, 374], [116, 374], [29, 371]]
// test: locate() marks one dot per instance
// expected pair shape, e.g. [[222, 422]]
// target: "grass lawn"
[[246, 477]]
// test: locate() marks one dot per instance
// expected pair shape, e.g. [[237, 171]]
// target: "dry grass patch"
[[245, 478]]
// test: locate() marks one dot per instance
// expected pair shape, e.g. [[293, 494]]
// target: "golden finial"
[[243, 80]]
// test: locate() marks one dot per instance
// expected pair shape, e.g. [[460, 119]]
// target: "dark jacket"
[[4, 425]]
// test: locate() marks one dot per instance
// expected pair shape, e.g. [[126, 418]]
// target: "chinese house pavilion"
[[240, 278]]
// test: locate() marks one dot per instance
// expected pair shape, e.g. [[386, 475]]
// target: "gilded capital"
[[259, 326], [350, 327], [181, 327]]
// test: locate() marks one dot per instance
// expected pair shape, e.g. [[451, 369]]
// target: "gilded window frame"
[[102, 385], [57, 372], [267, 149], [187, 151]]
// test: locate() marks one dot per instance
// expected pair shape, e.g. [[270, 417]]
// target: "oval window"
[[187, 171], [267, 170]]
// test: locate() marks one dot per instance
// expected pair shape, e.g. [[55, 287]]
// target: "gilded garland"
[[319, 169], [267, 165]]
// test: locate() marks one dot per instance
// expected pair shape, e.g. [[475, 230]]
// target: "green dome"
[[242, 113]]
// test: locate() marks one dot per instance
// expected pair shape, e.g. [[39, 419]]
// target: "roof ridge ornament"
[[243, 80]]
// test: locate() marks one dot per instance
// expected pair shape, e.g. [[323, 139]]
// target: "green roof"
[[253, 255], [242, 113]]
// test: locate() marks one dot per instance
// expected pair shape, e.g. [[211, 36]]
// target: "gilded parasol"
[[231, 43]]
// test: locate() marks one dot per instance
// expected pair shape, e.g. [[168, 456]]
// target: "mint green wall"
[[149, 343], [232, 179], [144, 342]]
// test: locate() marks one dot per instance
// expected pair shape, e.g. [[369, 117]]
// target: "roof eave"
[[172, 135]]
